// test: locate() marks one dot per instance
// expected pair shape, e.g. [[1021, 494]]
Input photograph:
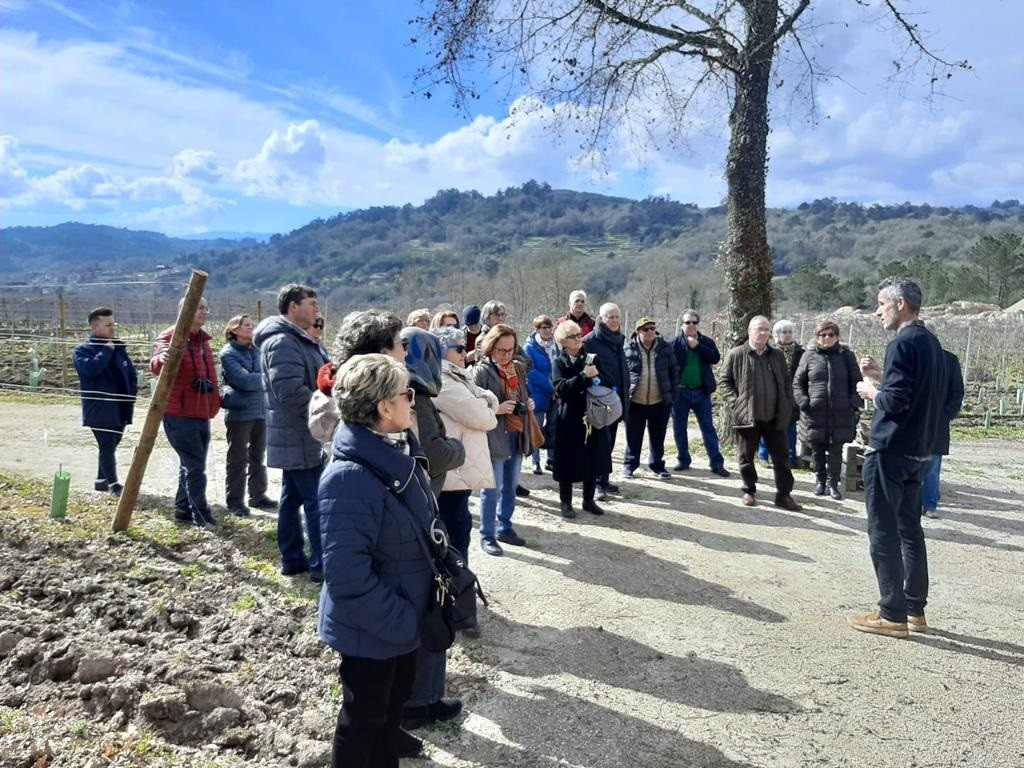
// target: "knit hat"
[[471, 315], [644, 321]]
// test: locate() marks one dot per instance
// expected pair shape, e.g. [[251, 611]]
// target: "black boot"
[[833, 490], [819, 486]]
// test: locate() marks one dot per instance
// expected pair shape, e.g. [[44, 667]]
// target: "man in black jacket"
[[909, 398], [695, 354], [607, 342], [653, 380]]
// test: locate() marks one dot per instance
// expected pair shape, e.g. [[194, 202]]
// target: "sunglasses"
[[647, 329], [405, 344], [319, 324], [691, 322], [826, 335], [460, 349], [409, 394]]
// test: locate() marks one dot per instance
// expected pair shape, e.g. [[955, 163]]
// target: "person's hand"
[[866, 389], [471, 356], [530, 405], [162, 357], [691, 342], [869, 367], [590, 371], [507, 406]]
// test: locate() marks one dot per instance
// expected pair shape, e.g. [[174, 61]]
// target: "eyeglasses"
[[409, 394], [691, 322], [574, 336], [504, 350], [648, 329], [826, 335]]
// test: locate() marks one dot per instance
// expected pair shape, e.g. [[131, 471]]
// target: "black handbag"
[[453, 592]]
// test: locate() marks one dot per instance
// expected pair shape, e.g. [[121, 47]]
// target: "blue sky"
[[259, 115]]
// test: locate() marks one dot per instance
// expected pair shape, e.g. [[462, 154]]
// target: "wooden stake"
[[60, 346], [158, 403]]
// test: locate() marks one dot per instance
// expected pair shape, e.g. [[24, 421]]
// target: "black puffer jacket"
[[609, 346], [825, 390]]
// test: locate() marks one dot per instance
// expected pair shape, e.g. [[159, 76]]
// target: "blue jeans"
[[190, 439], [654, 420], [506, 478], [698, 401], [930, 494], [299, 488], [892, 495], [762, 449]]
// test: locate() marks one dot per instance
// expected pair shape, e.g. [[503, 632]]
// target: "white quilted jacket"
[[469, 414]]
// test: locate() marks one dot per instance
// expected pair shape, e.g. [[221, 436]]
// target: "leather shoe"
[[788, 503], [443, 709], [472, 632], [611, 488], [834, 492], [406, 745], [263, 502], [568, 512], [491, 547], [720, 471], [522, 492], [592, 508], [680, 467], [294, 570], [819, 488], [316, 576], [601, 494], [749, 500], [511, 537], [239, 510]]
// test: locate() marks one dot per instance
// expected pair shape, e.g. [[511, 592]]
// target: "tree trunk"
[[745, 254]]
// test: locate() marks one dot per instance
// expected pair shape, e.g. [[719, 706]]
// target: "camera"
[[591, 359], [203, 386], [519, 409]]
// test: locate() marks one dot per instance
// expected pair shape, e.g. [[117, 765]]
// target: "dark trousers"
[[565, 492], [613, 431], [698, 401], [190, 439], [747, 439], [247, 446], [374, 691], [299, 488], [892, 495], [828, 461], [107, 439], [654, 420], [453, 507]]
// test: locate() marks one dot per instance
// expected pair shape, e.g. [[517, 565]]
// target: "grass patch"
[[245, 603], [9, 719], [995, 432]]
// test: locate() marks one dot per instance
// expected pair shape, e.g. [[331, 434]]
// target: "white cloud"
[[13, 178], [288, 164], [197, 165]]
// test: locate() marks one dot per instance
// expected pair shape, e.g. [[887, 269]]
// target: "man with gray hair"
[[607, 343], [578, 312], [755, 384], [909, 397]]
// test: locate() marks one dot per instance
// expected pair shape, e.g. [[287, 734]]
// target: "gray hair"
[[565, 328], [757, 319], [490, 308], [201, 302], [362, 382], [607, 307], [782, 326], [691, 313], [369, 331], [577, 295], [450, 337], [901, 288]]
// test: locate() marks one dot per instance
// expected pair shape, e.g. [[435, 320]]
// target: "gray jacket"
[[291, 360]]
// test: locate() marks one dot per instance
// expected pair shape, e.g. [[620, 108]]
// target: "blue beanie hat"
[[471, 315]]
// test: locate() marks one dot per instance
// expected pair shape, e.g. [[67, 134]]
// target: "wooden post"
[[60, 343], [158, 403], [259, 311]]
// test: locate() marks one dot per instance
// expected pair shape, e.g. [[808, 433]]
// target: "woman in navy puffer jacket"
[[374, 500], [245, 417]]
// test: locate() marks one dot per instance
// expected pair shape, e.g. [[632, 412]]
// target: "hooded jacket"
[[291, 359], [374, 502], [197, 362]]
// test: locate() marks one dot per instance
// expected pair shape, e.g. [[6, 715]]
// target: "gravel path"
[[681, 629]]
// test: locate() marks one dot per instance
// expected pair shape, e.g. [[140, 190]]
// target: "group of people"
[[396, 428]]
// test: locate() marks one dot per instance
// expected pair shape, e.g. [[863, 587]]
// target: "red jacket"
[[197, 363]]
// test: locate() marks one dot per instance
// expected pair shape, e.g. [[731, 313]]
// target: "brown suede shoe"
[[749, 500], [917, 623], [787, 502], [875, 624]]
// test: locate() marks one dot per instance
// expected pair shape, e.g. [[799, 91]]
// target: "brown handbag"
[[536, 433]]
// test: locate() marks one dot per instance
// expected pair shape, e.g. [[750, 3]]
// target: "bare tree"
[[644, 66]]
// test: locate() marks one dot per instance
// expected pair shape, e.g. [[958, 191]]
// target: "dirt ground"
[[680, 629]]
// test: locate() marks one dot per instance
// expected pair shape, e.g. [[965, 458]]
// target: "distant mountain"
[[79, 250], [259, 237]]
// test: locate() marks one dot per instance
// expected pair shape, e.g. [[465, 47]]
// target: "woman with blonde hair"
[[419, 318], [444, 318]]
